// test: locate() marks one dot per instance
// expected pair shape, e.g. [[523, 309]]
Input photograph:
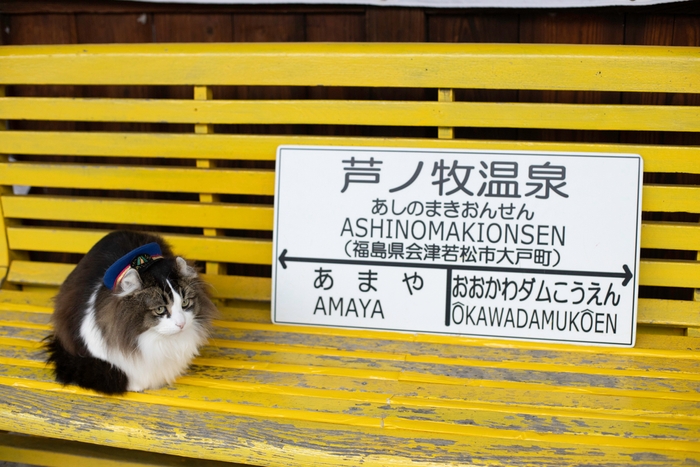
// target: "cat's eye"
[[186, 302], [161, 310]]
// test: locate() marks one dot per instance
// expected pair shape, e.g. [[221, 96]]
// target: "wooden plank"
[[257, 349], [651, 379], [141, 212], [239, 287], [652, 272], [646, 29], [230, 250], [670, 235], [192, 27], [60, 453], [255, 440], [276, 26], [53, 274], [655, 197], [660, 198], [342, 27], [678, 353], [39, 273], [264, 147], [480, 27], [661, 375], [381, 24], [20, 298], [517, 66], [670, 273], [349, 112], [189, 180], [313, 406], [651, 311], [669, 312], [571, 27]]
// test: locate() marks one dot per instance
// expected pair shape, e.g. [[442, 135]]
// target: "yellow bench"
[[295, 396]]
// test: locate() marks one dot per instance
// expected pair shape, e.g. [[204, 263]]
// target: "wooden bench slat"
[[342, 411], [283, 441], [38, 273], [264, 147], [19, 298], [346, 112], [669, 312], [234, 344], [220, 249], [663, 235], [259, 328], [535, 401], [60, 453], [145, 212], [188, 180], [210, 377], [235, 348], [491, 66]]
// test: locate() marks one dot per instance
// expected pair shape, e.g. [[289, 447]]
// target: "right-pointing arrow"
[[628, 275]]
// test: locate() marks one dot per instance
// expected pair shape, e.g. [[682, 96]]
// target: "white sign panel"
[[522, 245]]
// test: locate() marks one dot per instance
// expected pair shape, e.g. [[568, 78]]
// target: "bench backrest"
[[125, 153]]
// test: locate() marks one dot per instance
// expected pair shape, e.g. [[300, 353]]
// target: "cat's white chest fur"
[[163, 352]]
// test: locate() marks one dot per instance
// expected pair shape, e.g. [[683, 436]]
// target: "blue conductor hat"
[[140, 259]]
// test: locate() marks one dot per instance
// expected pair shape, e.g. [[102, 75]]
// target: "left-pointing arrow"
[[626, 274]]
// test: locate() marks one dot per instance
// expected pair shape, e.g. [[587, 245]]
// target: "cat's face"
[[168, 299], [168, 310]]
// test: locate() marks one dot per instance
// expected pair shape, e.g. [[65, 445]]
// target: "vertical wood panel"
[[383, 24], [281, 27], [272, 27], [686, 32], [474, 27], [106, 29], [646, 30], [257, 27], [336, 28], [41, 29], [571, 28], [177, 27]]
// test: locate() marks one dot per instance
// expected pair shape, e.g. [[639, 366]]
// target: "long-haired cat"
[[131, 316]]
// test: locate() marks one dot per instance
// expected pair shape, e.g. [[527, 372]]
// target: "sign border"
[[635, 282]]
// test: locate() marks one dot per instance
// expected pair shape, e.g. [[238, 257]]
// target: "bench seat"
[[264, 394]]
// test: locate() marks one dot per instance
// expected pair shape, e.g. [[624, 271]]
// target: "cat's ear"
[[185, 269], [131, 282]]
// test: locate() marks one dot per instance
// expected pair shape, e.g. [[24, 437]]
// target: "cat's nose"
[[180, 325]]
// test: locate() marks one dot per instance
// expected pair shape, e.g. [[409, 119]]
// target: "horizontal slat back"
[[324, 112], [492, 66], [171, 179], [99, 158], [254, 147]]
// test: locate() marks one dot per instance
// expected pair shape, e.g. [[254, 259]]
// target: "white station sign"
[[503, 244]]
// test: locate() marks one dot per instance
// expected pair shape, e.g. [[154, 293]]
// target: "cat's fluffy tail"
[[87, 372]]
